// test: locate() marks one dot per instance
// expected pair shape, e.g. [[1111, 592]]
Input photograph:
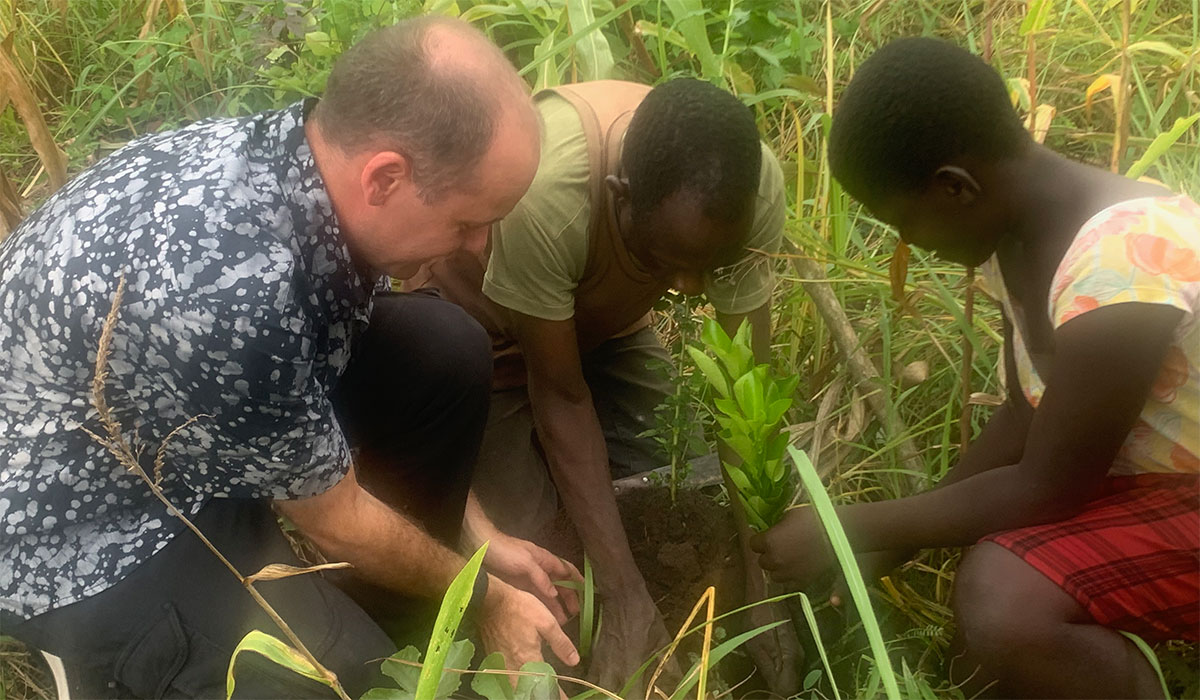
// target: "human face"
[[679, 244], [409, 231], [951, 217]]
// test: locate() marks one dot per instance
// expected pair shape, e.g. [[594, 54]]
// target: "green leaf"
[[811, 618], [711, 371], [690, 21], [594, 52], [459, 656], [1161, 144], [539, 687], [742, 445], [738, 477], [448, 618], [726, 406], [277, 651], [1035, 18], [845, 555], [493, 686], [714, 336], [1151, 657], [406, 675], [714, 657], [587, 610], [775, 410], [749, 393], [387, 694], [320, 44]]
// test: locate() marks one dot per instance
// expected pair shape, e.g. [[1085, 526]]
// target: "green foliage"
[[276, 651], [750, 407], [849, 565]]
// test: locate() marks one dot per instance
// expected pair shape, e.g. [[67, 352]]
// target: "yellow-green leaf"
[[276, 650]]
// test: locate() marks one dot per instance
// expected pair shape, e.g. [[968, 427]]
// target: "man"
[[250, 249], [1082, 495], [638, 191]]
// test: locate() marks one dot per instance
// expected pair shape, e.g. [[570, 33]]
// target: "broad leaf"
[[711, 371]]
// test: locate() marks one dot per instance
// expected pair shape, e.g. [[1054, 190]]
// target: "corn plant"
[[750, 407]]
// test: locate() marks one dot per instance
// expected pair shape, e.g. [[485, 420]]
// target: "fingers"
[[547, 592], [758, 543], [559, 644]]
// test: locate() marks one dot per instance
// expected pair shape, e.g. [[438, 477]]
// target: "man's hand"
[[632, 630], [530, 568], [795, 551], [516, 624]]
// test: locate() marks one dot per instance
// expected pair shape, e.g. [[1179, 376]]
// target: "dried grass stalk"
[[13, 83], [112, 439]]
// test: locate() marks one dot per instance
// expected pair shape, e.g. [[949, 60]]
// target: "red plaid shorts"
[[1131, 558]]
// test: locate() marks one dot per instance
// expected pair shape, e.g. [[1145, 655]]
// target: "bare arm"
[[570, 432], [349, 524], [1104, 366]]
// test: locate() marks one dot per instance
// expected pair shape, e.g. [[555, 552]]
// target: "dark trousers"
[[414, 404]]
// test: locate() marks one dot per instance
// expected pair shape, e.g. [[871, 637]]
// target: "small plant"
[[750, 409]]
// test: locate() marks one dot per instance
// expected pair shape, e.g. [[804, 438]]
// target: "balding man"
[[252, 252]]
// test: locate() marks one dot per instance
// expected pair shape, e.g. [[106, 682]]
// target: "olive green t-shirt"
[[539, 251]]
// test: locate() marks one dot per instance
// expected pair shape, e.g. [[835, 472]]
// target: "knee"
[[990, 612], [459, 350], [439, 343]]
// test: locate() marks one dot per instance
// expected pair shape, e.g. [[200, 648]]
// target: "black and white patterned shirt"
[[241, 303]]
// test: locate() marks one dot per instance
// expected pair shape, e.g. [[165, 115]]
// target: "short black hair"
[[688, 134], [913, 106]]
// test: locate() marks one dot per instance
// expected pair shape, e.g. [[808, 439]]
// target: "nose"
[[688, 283], [475, 240]]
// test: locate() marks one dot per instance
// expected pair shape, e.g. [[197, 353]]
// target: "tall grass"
[[1121, 76]]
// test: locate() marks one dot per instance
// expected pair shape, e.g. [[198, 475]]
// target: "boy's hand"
[[796, 550]]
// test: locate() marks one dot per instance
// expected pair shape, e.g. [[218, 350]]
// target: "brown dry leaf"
[[13, 83], [273, 572], [10, 207], [914, 373], [1038, 123], [979, 398], [898, 270]]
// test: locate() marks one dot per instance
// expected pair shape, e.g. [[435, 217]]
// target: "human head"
[[690, 160], [430, 136], [919, 136]]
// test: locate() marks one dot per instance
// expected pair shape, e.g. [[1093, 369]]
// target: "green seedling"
[[750, 407]]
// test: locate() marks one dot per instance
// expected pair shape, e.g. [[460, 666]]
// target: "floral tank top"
[[1143, 250]]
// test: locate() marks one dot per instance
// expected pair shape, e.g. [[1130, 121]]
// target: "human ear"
[[619, 186], [384, 174], [957, 183]]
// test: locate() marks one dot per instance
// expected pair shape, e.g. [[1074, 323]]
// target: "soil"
[[681, 549]]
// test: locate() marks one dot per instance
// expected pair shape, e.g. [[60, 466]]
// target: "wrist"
[[479, 594]]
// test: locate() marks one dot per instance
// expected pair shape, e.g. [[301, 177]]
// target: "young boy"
[[1082, 495]]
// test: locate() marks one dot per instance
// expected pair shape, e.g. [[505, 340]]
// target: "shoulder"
[[1144, 250]]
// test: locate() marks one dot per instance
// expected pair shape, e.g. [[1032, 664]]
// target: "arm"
[[570, 433], [1098, 384], [349, 524]]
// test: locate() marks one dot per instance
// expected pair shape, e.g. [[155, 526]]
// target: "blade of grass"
[[448, 618], [845, 555]]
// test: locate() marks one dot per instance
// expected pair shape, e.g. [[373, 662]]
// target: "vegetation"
[[1112, 82]]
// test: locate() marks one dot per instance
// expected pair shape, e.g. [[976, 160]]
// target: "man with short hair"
[[251, 250], [639, 190]]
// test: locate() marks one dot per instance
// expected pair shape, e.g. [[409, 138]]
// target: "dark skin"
[[684, 245], [1029, 466]]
